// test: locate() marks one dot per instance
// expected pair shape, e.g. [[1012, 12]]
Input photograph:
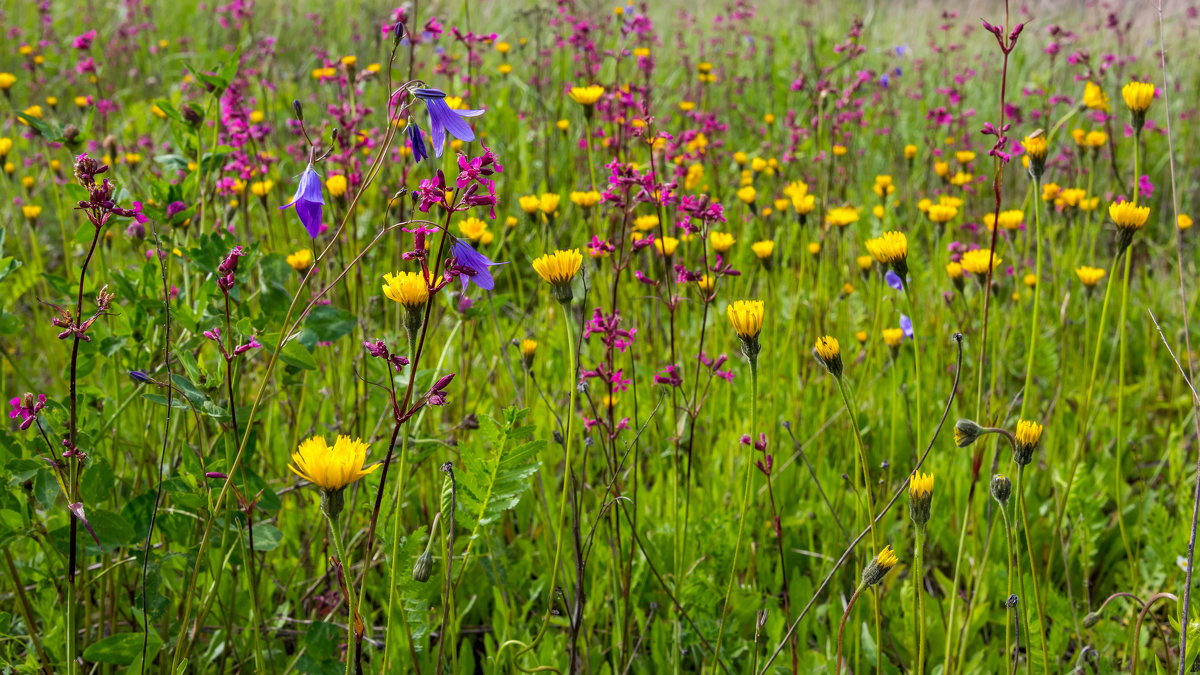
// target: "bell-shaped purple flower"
[[472, 266], [417, 142], [906, 326], [442, 119], [893, 280], [308, 201]]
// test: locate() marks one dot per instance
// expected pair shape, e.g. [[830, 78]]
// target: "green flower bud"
[[423, 567]]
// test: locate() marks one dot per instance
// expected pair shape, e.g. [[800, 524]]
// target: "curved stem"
[[837, 668], [1138, 630], [335, 536]]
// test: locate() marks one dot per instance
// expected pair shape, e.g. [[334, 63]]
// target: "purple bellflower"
[[442, 119], [471, 266], [893, 280], [906, 326], [308, 201]]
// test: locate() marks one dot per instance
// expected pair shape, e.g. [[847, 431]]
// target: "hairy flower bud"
[[423, 567]]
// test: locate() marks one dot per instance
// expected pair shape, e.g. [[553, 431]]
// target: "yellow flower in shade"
[[300, 260], [955, 271], [504, 69], [5, 147], [976, 262], [529, 203], [331, 468], [7, 80], [1138, 96], [1080, 136], [1050, 192], [890, 248], [585, 200], [814, 247], [763, 250], [1096, 139], [1089, 276], [865, 262], [528, 351], [548, 203], [964, 156], [842, 216], [666, 245], [768, 118], [721, 241], [645, 223], [861, 336], [27, 182], [880, 565], [337, 185], [558, 268], [586, 96], [883, 185], [829, 353], [503, 48], [758, 164], [563, 125], [1184, 221], [1094, 97], [910, 151], [847, 288], [349, 61], [261, 188], [1029, 280], [1029, 435], [892, 337], [747, 194], [9, 168], [687, 106], [920, 497], [31, 111], [31, 212], [407, 288], [961, 178], [472, 228], [705, 283], [746, 317], [942, 169], [839, 150], [1009, 220], [52, 101]]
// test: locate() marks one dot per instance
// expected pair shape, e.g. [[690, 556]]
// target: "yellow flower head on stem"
[[558, 268], [1094, 97], [746, 316], [586, 96], [1138, 96], [879, 566], [721, 241], [977, 261], [666, 245], [1029, 435], [300, 260], [763, 249], [1089, 276], [892, 337], [333, 467], [407, 288]]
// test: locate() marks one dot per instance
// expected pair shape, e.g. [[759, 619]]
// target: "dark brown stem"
[[837, 668]]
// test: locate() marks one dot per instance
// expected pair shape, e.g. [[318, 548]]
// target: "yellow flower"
[[921, 485], [529, 203], [1128, 216], [1028, 435], [910, 151], [32, 111], [7, 80], [769, 118], [1096, 139], [955, 271], [1080, 136], [976, 262], [1089, 276], [1050, 192], [839, 150], [1138, 96], [687, 106], [763, 249], [829, 353], [300, 260], [890, 248], [548, 203], [847, 288], [704, 67], [586, 96], [1037, 147], [5, 147], [747, 194], [133, 158], [331, 468], [1030, 280], [795, 188], [1184, 221], [1094, 97], [503, 48], [256, 116], [407, 288], [892, 337], [666, 245], [883, 185], [942, 169], [336, 184], [861, 336], [758, 164], [842, 216], [558, 268], [563, 124], [804, 203], [644, 223], [585, 200], [349, 61], [1009, 220], [261, 188], [721, 241], [814, 248], [864, 262], [504, 69], [705, 283], [9, 168], [31, 211], [528, 348], [52, 101], [746, 317], [964, 156], [27, 182], [472, 228], [960, 179]]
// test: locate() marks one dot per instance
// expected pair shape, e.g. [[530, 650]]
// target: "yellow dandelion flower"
[[746, 317], [407, 288], [1138, 96], [1089, 276], [666, 245], [331, 468], [1094, 97], [558, 268], [300, 260], [586, 96], [721, 241], [976, 262]]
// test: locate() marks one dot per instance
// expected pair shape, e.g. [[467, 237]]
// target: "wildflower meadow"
[[613, 337]]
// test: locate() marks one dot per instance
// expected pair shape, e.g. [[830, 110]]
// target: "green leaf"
[[112, 530], [8, 266], [329, 323], [97, 481], [121, 649], [266, 537], [293, 353]]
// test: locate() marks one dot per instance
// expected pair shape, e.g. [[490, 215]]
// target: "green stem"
[[1119, 481], [1037, 594], [1026, 393], [1008, 650], [335, 536], [919, 597], [912, 310], [737, 547]]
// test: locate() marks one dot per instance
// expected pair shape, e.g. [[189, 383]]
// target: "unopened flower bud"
[[423, 567], [1091, 619], [1001, 488], [966, 432]]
